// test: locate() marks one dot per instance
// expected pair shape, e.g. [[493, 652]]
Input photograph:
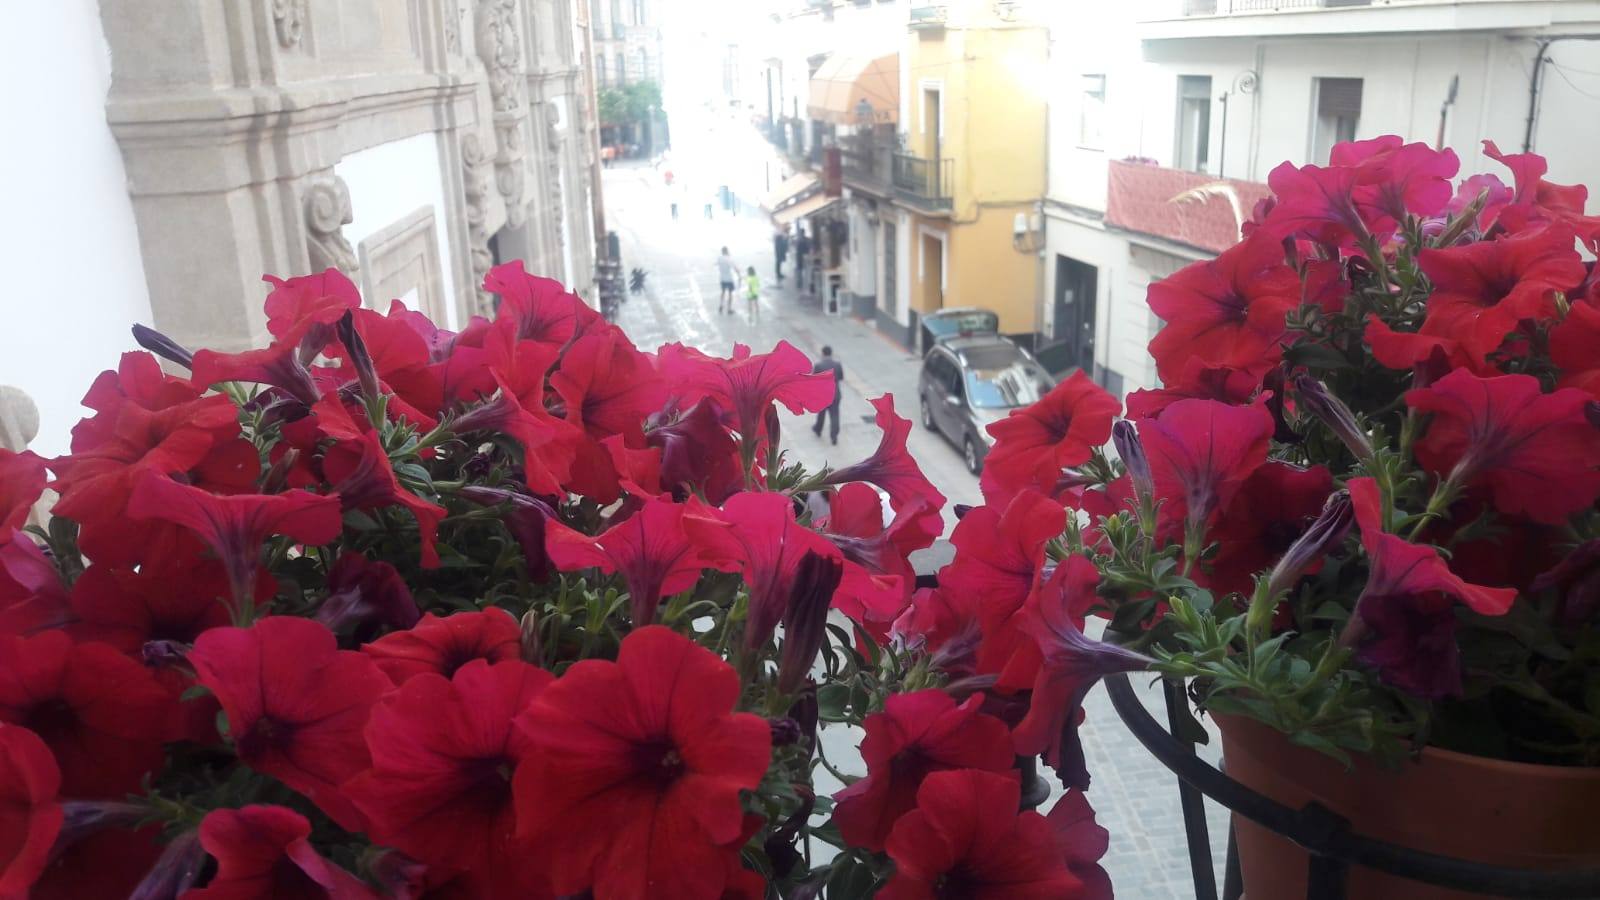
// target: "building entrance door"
[[1077, 285]]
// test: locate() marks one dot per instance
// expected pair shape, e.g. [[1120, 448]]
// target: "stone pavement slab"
[[1134, 796]]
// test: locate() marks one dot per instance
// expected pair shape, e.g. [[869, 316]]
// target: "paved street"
[[1135, 797]]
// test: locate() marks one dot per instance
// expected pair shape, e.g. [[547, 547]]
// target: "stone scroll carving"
[[474, 162], [328, 210], [555, 146], [500, 48], [289, 18]]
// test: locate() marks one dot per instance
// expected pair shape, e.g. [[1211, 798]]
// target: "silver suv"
[[969, 382]]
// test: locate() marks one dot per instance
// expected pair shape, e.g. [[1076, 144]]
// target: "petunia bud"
[[360, 359], [174, 871], [785, 731], [532, 642], [1591, 411], [366, 595], [82, 818], [1126, 438], [163, 346], [400, 876], [164, 654], [278, 474], [1576, 582], [1331, 410], [805, 619], [1324, 534]]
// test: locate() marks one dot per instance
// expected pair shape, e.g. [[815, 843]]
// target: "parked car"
[[969, 382], [958, 321]]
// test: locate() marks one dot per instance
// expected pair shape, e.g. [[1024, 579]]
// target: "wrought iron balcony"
[[867, 164], [923, 182]]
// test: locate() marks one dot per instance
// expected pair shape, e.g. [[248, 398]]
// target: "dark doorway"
[[1077, 286], [890, 300]]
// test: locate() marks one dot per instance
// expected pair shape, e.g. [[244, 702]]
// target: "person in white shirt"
[[728, 273]]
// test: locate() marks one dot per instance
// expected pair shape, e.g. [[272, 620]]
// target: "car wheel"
[[927, 415], [969, 452]]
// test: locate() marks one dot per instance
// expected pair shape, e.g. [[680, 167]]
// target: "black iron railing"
[[1227, 7], [924, 182]]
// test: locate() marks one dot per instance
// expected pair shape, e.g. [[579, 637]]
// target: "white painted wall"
[[68, 243], [389, 182]]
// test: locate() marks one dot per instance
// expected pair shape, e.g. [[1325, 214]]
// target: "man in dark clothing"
[[780, 251], [828, 364], [802, 249]]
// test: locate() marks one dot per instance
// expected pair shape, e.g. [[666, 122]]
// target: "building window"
[[1336, 117], [1194, 122], [1091, 114], [638, 12], [622, 69], [601, 73]]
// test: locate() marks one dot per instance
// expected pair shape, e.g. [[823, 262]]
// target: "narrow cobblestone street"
[[1133, 795]]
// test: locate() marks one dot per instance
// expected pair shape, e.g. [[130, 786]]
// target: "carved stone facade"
[[433, 137]]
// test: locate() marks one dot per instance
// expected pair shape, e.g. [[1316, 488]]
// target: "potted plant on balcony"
[[1360, 513], [519, 611]]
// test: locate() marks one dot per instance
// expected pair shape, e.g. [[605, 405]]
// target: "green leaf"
[[832, 701]]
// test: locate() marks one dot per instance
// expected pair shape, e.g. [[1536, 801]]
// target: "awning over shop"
[[792, 189], [844, 81], [814, 204]]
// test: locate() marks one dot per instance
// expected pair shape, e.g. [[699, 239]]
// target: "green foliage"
[[629, 104]]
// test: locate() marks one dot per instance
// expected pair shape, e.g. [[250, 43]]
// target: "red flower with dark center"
[[1271, 510], [443, 753], [1085, 843], [265, 853], [30, 816], [542, 309], [966, 839], [746, 384], [757, 532], [1404, 620], [442, 645], [235, 527], [1072, 663], [1198, 382], [1320, 204], [282, 364], [171, 602], [1230, 311], [102, 714], [650, 548], [1573, 346], [1483, 289], [915, 735], [1403, 179], [607, 386], [22, 479], [998, 554], [633, 787], [697, 454], [296, 704], [1033, 444], [1535, 453], [891, 467], [296, 305], [363, 477], [1201, 452]]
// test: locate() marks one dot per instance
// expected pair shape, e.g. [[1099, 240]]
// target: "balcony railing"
[[867, 164], [1229, 7], [923, 182]]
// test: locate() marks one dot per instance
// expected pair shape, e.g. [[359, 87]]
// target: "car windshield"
[[1002, 384]]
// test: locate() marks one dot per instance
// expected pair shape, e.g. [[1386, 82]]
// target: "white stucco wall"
[[389, 182], [68, 243]]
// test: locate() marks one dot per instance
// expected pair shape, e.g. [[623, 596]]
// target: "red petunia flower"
[[998, 554], [633, 788], [650, 548], [548, 444], [1404, 620], [443, 753], [1319, 204], [1404, 350], [1535, 201], [966, 839], [296, 704], [102, 714], [265, 853], [30, 816], [22, 478], [1482, 290], [365, 595], [442, 645], [1271, 510], [1071, 664], [1085, 843], [1034, 444], [1201, 452], [878, 576], [33, 597], [915, 735], [541, 308], [607, 386], [1575, 349], [298, 304], [1536, 453], [747, 384], [1198, 382], [235, 527], [363, 477], [1230, 311], [697, 454], [1402, 179], [757, 531], [891, 467]]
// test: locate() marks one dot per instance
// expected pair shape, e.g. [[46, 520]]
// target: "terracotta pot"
[[1468, 807]]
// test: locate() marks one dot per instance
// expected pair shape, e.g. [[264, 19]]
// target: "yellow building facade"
[[973, 119]]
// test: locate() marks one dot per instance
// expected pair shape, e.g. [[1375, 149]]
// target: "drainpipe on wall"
[[1533, 93]]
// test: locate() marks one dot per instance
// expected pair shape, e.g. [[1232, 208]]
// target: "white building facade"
[[1166, 96]]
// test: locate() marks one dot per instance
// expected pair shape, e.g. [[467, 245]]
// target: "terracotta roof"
[[1145, 198]]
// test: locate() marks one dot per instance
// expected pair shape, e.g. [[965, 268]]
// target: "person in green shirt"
[[752, 292]]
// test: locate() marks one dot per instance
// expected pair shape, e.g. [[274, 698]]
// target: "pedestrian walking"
[[780, 252], [828, 364], [752, 293], [728, 275]]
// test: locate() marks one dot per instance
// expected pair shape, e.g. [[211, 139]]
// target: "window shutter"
[[1339, 97]]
